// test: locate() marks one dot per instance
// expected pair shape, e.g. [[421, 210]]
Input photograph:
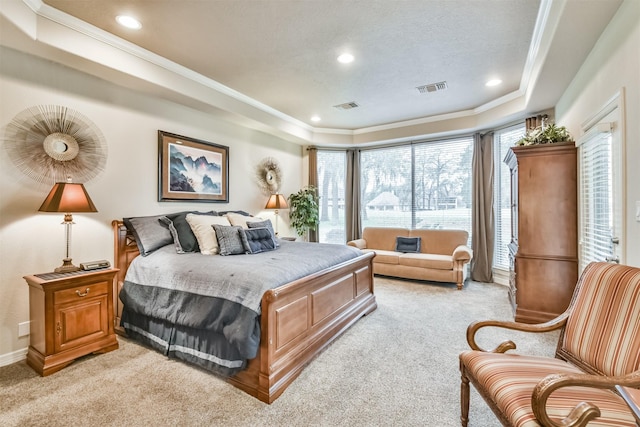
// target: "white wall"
[[613, 64], [33, 242]]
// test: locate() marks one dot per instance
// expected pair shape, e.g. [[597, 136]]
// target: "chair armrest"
[[549, 326], [462, 253], [358, 243], [584, 411], [633, 404]]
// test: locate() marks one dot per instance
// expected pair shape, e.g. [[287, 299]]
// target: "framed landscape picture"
[[192, 170]]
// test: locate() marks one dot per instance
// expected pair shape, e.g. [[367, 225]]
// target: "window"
[[442, 184], [420, 185], [331, 181], [596, 191], [503, 139], [385, 180], [600, 185]]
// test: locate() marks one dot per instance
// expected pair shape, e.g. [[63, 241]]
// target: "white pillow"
[[241, 220], [201, 225]]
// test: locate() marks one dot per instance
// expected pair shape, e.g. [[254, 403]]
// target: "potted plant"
[[546, 134], [303, 210]]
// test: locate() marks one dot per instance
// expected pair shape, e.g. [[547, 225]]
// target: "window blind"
[[503, 140], [596, 192], [331, 189], [420, 185], [443, 184], [385, 179]]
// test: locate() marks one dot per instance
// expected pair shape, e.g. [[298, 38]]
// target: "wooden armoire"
[[544, 230]]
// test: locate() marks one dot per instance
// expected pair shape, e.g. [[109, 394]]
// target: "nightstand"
[[71, 316]]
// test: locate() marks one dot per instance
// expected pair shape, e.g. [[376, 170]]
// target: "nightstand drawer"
[[79, 292]]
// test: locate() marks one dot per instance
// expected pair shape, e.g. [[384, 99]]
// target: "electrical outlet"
[[24, 329]]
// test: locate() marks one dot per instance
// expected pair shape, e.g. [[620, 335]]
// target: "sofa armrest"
[[462, 253], [358, 243]]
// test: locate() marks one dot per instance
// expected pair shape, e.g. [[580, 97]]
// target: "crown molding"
[[200, 89]]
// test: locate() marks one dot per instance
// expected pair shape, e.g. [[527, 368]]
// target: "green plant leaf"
[[303, 210], [550, 134]]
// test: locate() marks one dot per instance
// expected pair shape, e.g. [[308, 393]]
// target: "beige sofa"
[[442, 258]]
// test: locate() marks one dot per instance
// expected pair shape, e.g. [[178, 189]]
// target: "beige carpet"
[[396, 367]]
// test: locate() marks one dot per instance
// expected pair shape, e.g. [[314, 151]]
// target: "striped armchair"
[[598, 353]]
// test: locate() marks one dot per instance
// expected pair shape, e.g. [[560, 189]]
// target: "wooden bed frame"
[[299, 319]]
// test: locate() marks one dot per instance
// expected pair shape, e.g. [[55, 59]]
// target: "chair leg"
[[464, 397]]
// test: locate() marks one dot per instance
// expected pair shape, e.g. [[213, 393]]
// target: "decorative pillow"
[[259, 240], [240, 220], [205, 234], [183, 238], [231, 239], [149, 233], [264, 224], [408, 244], [222, 213]]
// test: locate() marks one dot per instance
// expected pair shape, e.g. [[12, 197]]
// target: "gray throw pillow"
[[183, 238], [408, 244], [150, 234], [231, 239], [259, 240], [264, 224]]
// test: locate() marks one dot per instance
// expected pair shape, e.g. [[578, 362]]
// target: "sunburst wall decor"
[[269, 176], [52, 143]]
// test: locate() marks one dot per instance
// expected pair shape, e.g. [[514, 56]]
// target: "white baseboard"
[[13, 357], [501, 277]]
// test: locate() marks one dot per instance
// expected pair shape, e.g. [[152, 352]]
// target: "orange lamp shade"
[[68, 197], [276, 201]]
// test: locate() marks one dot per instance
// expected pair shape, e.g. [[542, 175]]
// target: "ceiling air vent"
[[346, 106], [432, 87]]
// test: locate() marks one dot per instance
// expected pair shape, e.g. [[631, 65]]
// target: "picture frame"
[[193, 170]]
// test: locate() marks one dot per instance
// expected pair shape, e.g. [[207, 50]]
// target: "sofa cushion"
[[437, 262], [408, 244], [382, 237], [442, 242], [386, 257]]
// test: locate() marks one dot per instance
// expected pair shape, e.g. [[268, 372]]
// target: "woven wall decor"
[[269, 176], [52, 143]]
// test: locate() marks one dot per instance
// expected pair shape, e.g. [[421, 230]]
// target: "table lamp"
[[68, 198], [276, 201]]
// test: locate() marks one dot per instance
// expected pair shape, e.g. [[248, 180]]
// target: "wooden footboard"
[[298, 319]]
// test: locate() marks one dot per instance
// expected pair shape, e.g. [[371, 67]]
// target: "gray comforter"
[[206, 308]]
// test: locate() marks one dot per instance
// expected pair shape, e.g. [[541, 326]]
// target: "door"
[[601, 199]]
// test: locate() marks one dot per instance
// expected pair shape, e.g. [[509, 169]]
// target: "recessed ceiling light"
[[129, 22], [345, 58], [315, 118], [493, 82]]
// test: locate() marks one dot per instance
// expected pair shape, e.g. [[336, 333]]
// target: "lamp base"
[[66, 267]]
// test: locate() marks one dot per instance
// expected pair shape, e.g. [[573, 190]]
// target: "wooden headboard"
[[125, 249]]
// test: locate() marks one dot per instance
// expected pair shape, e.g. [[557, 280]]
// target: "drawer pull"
[[84, 294]]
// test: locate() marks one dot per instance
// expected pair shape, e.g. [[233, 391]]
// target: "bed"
[[298, 319]]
